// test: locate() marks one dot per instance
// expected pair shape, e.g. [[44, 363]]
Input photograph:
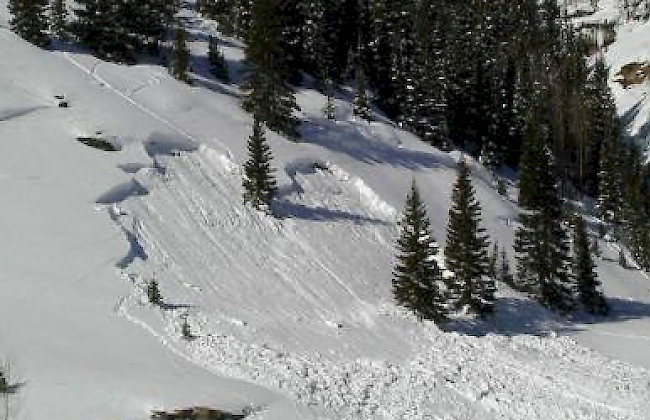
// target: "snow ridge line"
[[93, 74]]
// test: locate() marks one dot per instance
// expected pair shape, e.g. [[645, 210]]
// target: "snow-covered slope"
[[633, 103], [292, 315]]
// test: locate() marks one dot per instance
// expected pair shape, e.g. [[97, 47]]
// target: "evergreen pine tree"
[[423, 108], [493, 262], [591, 299], [622, 260], [270, 98], [217, 61], [600, 121], [607, 152], [541, 241], [59, 15], [466, 251], [153, 293], [329, 110], [180, 57], [259, 183], [100, 26], [417, 279], [29, 20], [360, 106], [634, 213], [505, 274], [119, 29], [186, 330], [8, 387], [595, 248]]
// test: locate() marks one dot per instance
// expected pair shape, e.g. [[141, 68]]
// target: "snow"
[[293, 314]]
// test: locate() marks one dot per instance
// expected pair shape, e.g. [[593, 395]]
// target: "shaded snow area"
[[631, 45], [633, 104], [291, 315]]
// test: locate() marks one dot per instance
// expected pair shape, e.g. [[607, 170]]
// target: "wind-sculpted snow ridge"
[[288, 304]]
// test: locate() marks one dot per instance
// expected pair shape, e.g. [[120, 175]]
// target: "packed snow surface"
[[291, 315]]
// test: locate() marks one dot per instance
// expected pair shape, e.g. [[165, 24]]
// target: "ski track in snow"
[[92, 72], [449, 376]]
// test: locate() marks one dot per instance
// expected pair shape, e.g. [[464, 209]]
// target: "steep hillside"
[[628, 57], [292, 315]]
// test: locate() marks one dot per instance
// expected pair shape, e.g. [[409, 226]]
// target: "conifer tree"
[[622, 260], [541, 241], [180, 57], [423, 108], [217, 61], [329, 110], [360, 106], [59, 15], [119, 29], [8, 387], [634, 217], [505, 274], [606, 152], [417, 279], [600, 121], [493, 261], [591, 299], [100, 26], [466, 251], [153, 293], [186, 330], [270, 98], [29, 21], [259, 183]]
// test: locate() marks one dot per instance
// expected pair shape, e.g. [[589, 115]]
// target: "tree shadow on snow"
[[513, 316], [349, 138], [135, 251], [286, 209], [518, 316], [627, 119], [174, 306]]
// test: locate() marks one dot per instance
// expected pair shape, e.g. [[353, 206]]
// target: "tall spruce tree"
[[270, 98], [360, 105], [417, 279], [541, 241], [635, 209], [259, 182], [119, 29], [153, 293], [610, 179], [58, 18], [466, 251], [493, 261], [180, 57], [591, 299], [217, 61], [100, 26], [329, 110], [29, 20], [504, 269], [423, 108]]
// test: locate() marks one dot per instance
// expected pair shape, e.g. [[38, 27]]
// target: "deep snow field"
[[293, 316]]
